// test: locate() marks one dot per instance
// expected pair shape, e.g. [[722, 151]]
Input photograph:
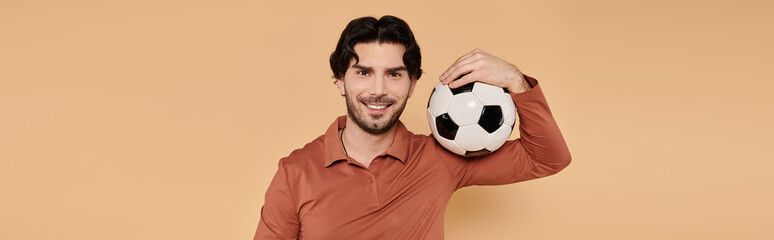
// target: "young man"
[[368, 177]]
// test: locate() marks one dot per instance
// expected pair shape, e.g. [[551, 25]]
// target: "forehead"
[[378, 55]]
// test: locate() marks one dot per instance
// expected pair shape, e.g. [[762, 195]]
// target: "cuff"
[[534, 93]]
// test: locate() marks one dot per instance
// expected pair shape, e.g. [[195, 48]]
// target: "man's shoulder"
[[421, 139], [311, 153], [419, 142]]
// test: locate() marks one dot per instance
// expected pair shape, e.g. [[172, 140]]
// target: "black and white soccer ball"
[[472, 120]]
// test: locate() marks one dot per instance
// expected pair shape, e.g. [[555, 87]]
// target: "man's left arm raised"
[[541, 150]]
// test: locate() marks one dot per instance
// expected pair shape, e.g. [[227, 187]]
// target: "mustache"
[[386, 100]]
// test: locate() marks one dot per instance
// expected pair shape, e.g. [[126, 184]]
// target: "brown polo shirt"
[[320, 193]]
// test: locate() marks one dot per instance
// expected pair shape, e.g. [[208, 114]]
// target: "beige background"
[[166, 119]]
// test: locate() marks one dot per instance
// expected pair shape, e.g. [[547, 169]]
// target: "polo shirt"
[[318, 192]]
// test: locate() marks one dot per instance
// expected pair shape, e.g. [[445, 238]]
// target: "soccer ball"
[[472, 120]]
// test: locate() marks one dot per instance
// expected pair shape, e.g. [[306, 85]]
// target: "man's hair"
[[388, 29]]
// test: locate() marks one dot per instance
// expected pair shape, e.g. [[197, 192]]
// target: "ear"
[[340, 84], [411, 88]]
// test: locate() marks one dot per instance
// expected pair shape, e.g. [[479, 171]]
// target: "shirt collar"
[[335, 152]]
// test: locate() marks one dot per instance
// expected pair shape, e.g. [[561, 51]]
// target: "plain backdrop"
[[166, 119]]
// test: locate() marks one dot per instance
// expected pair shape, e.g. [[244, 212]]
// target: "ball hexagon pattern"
[[472, 120], [467, 108]]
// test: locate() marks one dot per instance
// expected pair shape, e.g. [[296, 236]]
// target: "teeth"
[[375, 107]]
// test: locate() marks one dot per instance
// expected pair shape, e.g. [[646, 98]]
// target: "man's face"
[[377, 87]]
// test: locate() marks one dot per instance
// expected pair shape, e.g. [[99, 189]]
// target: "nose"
[[379, 88]]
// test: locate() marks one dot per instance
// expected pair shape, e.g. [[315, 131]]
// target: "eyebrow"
[[364, 68], [371, 69], [397, 69]]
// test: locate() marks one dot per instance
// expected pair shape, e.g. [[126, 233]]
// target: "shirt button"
[[371, 180]]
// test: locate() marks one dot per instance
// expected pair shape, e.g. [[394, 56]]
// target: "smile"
[[376, 106]]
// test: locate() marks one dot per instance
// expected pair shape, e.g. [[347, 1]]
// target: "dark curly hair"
[[388, 29]]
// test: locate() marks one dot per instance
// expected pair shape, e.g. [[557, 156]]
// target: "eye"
[[362, 73], [395, 74]]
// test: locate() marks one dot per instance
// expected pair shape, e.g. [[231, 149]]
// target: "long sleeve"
[[541, 150], [279, 216]]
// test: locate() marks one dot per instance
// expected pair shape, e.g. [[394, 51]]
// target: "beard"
[[374, 124]]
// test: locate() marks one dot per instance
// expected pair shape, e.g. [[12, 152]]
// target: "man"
[[368, 177]]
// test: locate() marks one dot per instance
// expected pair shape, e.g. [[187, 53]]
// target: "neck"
[[363, 146]]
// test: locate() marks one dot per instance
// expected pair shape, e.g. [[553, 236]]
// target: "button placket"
[[372, 181]]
